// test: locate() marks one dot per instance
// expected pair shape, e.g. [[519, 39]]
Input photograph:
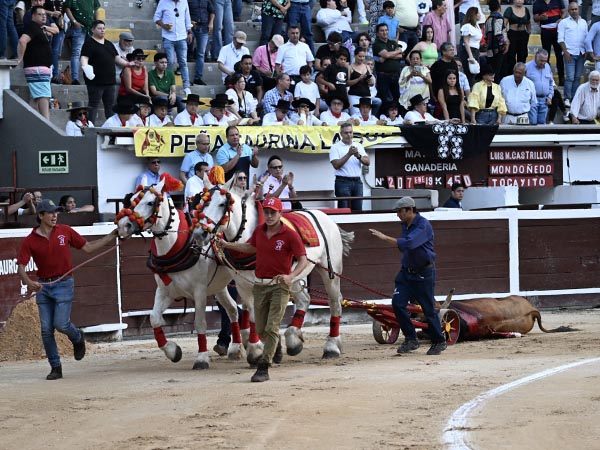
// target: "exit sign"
[[55, 161]]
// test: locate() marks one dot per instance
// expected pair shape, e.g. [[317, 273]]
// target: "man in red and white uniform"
[[275, 245], [49, 246]]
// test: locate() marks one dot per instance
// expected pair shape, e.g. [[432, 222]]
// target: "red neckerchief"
[[365, 119], [123, 123], [337, 116], [193, 117], [84, 123], [422, 115]]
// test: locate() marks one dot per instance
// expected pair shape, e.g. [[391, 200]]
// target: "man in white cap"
[[232, 53], [416, 279], [124, 46]]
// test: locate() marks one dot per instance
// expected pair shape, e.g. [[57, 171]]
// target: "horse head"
[[143, 209], [217, 208]]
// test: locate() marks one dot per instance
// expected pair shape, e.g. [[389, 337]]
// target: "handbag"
[[474, 68]]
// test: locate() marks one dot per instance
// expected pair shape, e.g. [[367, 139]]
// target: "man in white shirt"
[[189, 116], [279, 116], [161, 117], [293, 54], [195, 184], [124, 110], [584, 108], [218, 114], [332, 19], [200, 154], [278, 184], [347, 158], [124, 46], [365, 117], [418, 112], [173, 16], [519, 95], [572, 32], [231, 54]]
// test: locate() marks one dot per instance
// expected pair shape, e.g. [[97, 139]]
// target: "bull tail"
[[562, 329]]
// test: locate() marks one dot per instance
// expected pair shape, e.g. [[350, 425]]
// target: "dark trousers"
[[106, 94], [387, 86], [550, 40], [418, 287], [517, 50]]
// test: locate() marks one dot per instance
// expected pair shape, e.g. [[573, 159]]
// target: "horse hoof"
[[293, 351], [178, 354], [328, 354], [234, 356], [200, 365]]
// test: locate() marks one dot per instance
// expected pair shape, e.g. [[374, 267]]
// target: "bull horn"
[[448, 300]]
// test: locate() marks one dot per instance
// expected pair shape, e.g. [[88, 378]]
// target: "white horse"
[[234, 212], [152, 210]]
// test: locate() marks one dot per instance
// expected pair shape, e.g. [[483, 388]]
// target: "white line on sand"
[[454, 437]]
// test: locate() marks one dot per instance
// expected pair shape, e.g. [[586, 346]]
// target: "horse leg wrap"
[[298, 319], [253, 335], [202, 343], [159, 335], [334, 326], [235, 333], [245, 320]]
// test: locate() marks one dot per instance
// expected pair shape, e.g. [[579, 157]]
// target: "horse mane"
[[171, 183]]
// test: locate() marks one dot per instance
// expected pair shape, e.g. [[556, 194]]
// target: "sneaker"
[[567, 103], [187, 91], [199, 82], [566, 118], [75, 83], [178, 71], [56, 80], [55, 373], [79, 348], [437, 348], [220, 350], [408, 346]]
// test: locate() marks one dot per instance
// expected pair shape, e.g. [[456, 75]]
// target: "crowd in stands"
[[465, 66]]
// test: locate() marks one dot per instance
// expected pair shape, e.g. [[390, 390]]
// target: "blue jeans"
[[417, 287], [54, 305], [8, 31], [538, 112], [57, 43], [269, 26], [77, 39], [486, 117], [178, 50], [300, 14], [236, 6], [201, 35], [344, 188], [573, 72], [411, 38], [222, 26]]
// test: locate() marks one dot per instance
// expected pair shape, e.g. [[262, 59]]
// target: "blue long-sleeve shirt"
[[592, 40], [416, 244], [542, 79]]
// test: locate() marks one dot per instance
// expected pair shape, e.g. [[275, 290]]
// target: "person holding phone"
[[415, 79]]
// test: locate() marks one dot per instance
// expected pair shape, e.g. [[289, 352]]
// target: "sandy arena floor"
[[129, 396]]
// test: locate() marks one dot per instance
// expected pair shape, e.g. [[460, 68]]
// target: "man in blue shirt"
[[592, 44], [416, 279], [234, 156], [151, 175], [540, 73], [200, 154]]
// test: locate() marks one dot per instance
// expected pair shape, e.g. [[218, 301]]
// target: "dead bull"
[[512, 316]]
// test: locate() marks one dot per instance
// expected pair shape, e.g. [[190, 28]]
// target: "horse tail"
[[347, 239], [562, 329]]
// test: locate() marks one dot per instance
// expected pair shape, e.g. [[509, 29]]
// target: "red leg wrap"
[[298, 318], [334, 326], [159, 335], [202, 343], [235, 333], [245, 321], [253, 335]]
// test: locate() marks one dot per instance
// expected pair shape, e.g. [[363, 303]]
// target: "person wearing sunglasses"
[[78, 119], [278, 183], [151, 175]]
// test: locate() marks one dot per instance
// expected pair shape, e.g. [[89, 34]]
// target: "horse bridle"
[[204, 200], [143, 224]]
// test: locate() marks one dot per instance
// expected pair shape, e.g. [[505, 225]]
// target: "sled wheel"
[[450, 326], [384, 334]]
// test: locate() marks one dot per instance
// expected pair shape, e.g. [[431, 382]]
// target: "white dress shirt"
[[292, 57], [573, 33], [518, 98]]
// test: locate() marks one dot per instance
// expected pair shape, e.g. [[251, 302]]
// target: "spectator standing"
[[8, 31], [414, 80], [234, 156], [78, 120], [388, 68], [336, 76], [231, 54], [150, 176], [202, 14], [451, 98], [54, 9], [308, 89], [496, 38], [518, 21], [363, 41], [462, 79], [293, 54], [408, 21], [390, 19], [48, 244], [427, 46], [584, 109], [189, 117], [134, 79], [124, 46], [98, 59], [161, 82], [300, 18], [223, 25], [540, 73], [198, 155], [416, 279], [572, 32], [275, 245], [547, 13], [273, 14], [471, 36], [486, 102], [519, 95], [592, 45], [279, 92], [375, 12], [440, 67], [360, 82], [438, 20], [81, 14], [456, 196], [265, 60], [347, 158], [36, 54], [173, 16]]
